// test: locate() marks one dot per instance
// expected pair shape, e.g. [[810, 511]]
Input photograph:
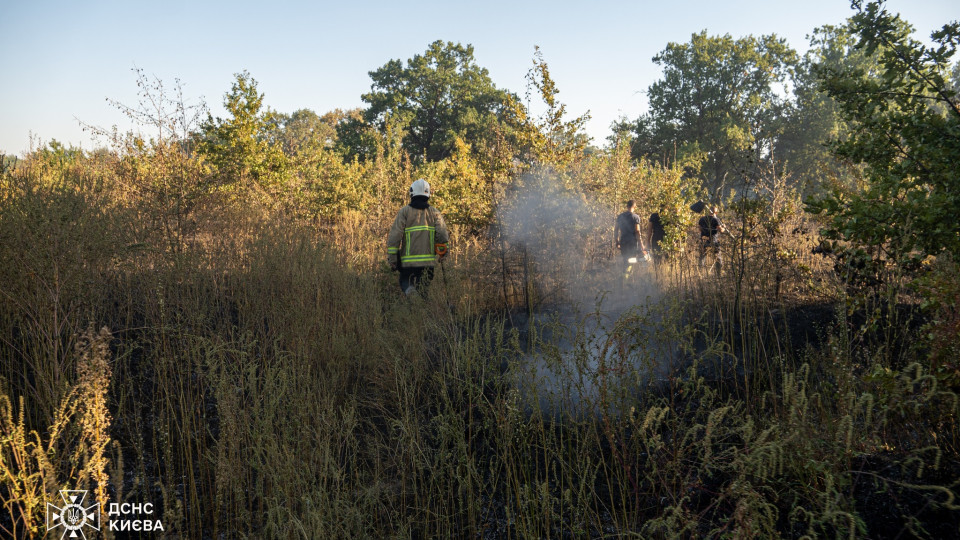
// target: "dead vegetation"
[[262, 376]]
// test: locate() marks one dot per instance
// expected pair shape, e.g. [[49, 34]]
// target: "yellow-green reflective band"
[[407, 231], [418, 258], [391, 250]]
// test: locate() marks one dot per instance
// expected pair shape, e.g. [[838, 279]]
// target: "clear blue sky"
[[61, 59]]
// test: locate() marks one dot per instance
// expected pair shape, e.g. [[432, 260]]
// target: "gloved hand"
[[393, 265]]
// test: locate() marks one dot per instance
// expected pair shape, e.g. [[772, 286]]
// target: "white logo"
[[73, 516]]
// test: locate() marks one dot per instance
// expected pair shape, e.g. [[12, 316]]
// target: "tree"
[[299, 132], [304, 132], [717, 103], [238, 147], [905, 129], [436, 97], [549, 138], [815, 118]]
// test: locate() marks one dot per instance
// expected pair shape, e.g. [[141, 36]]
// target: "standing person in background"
[[657, 235], [627, 235], [417, 240], [710, 230]]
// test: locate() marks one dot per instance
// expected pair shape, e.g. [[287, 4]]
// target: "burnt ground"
[[891, 496]]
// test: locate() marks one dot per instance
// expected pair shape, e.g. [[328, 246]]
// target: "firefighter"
[[629, 239], [417, 240]]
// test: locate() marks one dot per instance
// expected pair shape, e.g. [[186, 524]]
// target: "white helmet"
[[420, 187]]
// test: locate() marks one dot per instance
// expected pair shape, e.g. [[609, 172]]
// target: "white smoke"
[[566, 238]]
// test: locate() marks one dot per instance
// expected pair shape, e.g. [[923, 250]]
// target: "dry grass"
[[267, 380], [70, 454]]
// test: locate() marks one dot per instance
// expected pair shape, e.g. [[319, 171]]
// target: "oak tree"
[[717, 104]]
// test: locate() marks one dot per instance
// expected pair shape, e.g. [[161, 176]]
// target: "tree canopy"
[[436, 97], [906, 130], [717, 104], [237, 146]]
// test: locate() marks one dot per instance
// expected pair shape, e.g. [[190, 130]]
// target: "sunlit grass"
[[267, 379]]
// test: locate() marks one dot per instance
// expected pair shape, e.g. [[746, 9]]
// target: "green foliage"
[[548, 137], [357, 140], [814, 120], [56, 153], [717, 102], [438, 96], [332, 188], [463, 191], [238, 148], [906, 130], [320, 183], [940, 285], [303, 132]]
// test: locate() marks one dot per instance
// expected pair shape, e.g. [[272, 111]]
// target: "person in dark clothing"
[[627, 235], [710, 229], [657, 235]]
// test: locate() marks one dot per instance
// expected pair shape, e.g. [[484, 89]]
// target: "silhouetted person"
[[628, 237], [710, 229], [657, 235]]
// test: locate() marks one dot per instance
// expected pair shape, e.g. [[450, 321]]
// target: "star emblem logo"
[[73, 516]]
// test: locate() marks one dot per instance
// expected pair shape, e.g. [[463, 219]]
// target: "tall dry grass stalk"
[[94, 374], [70, 454]]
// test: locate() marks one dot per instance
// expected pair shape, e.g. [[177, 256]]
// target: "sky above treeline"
[[63, 60]]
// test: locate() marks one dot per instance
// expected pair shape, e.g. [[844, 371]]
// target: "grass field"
[[259, 375]]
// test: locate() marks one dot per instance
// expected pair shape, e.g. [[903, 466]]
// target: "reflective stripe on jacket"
[[415, 235]]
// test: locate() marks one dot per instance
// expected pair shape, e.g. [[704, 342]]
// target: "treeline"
[[725, 112], [862, 129]]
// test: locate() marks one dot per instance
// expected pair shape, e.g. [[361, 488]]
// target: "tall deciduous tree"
[[815, 119], [238, 146], [906, 130], [718, 103], [302, 131], [549, 137], [433, 99]]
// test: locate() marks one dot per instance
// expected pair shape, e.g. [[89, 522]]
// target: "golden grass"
[[268, 380]]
